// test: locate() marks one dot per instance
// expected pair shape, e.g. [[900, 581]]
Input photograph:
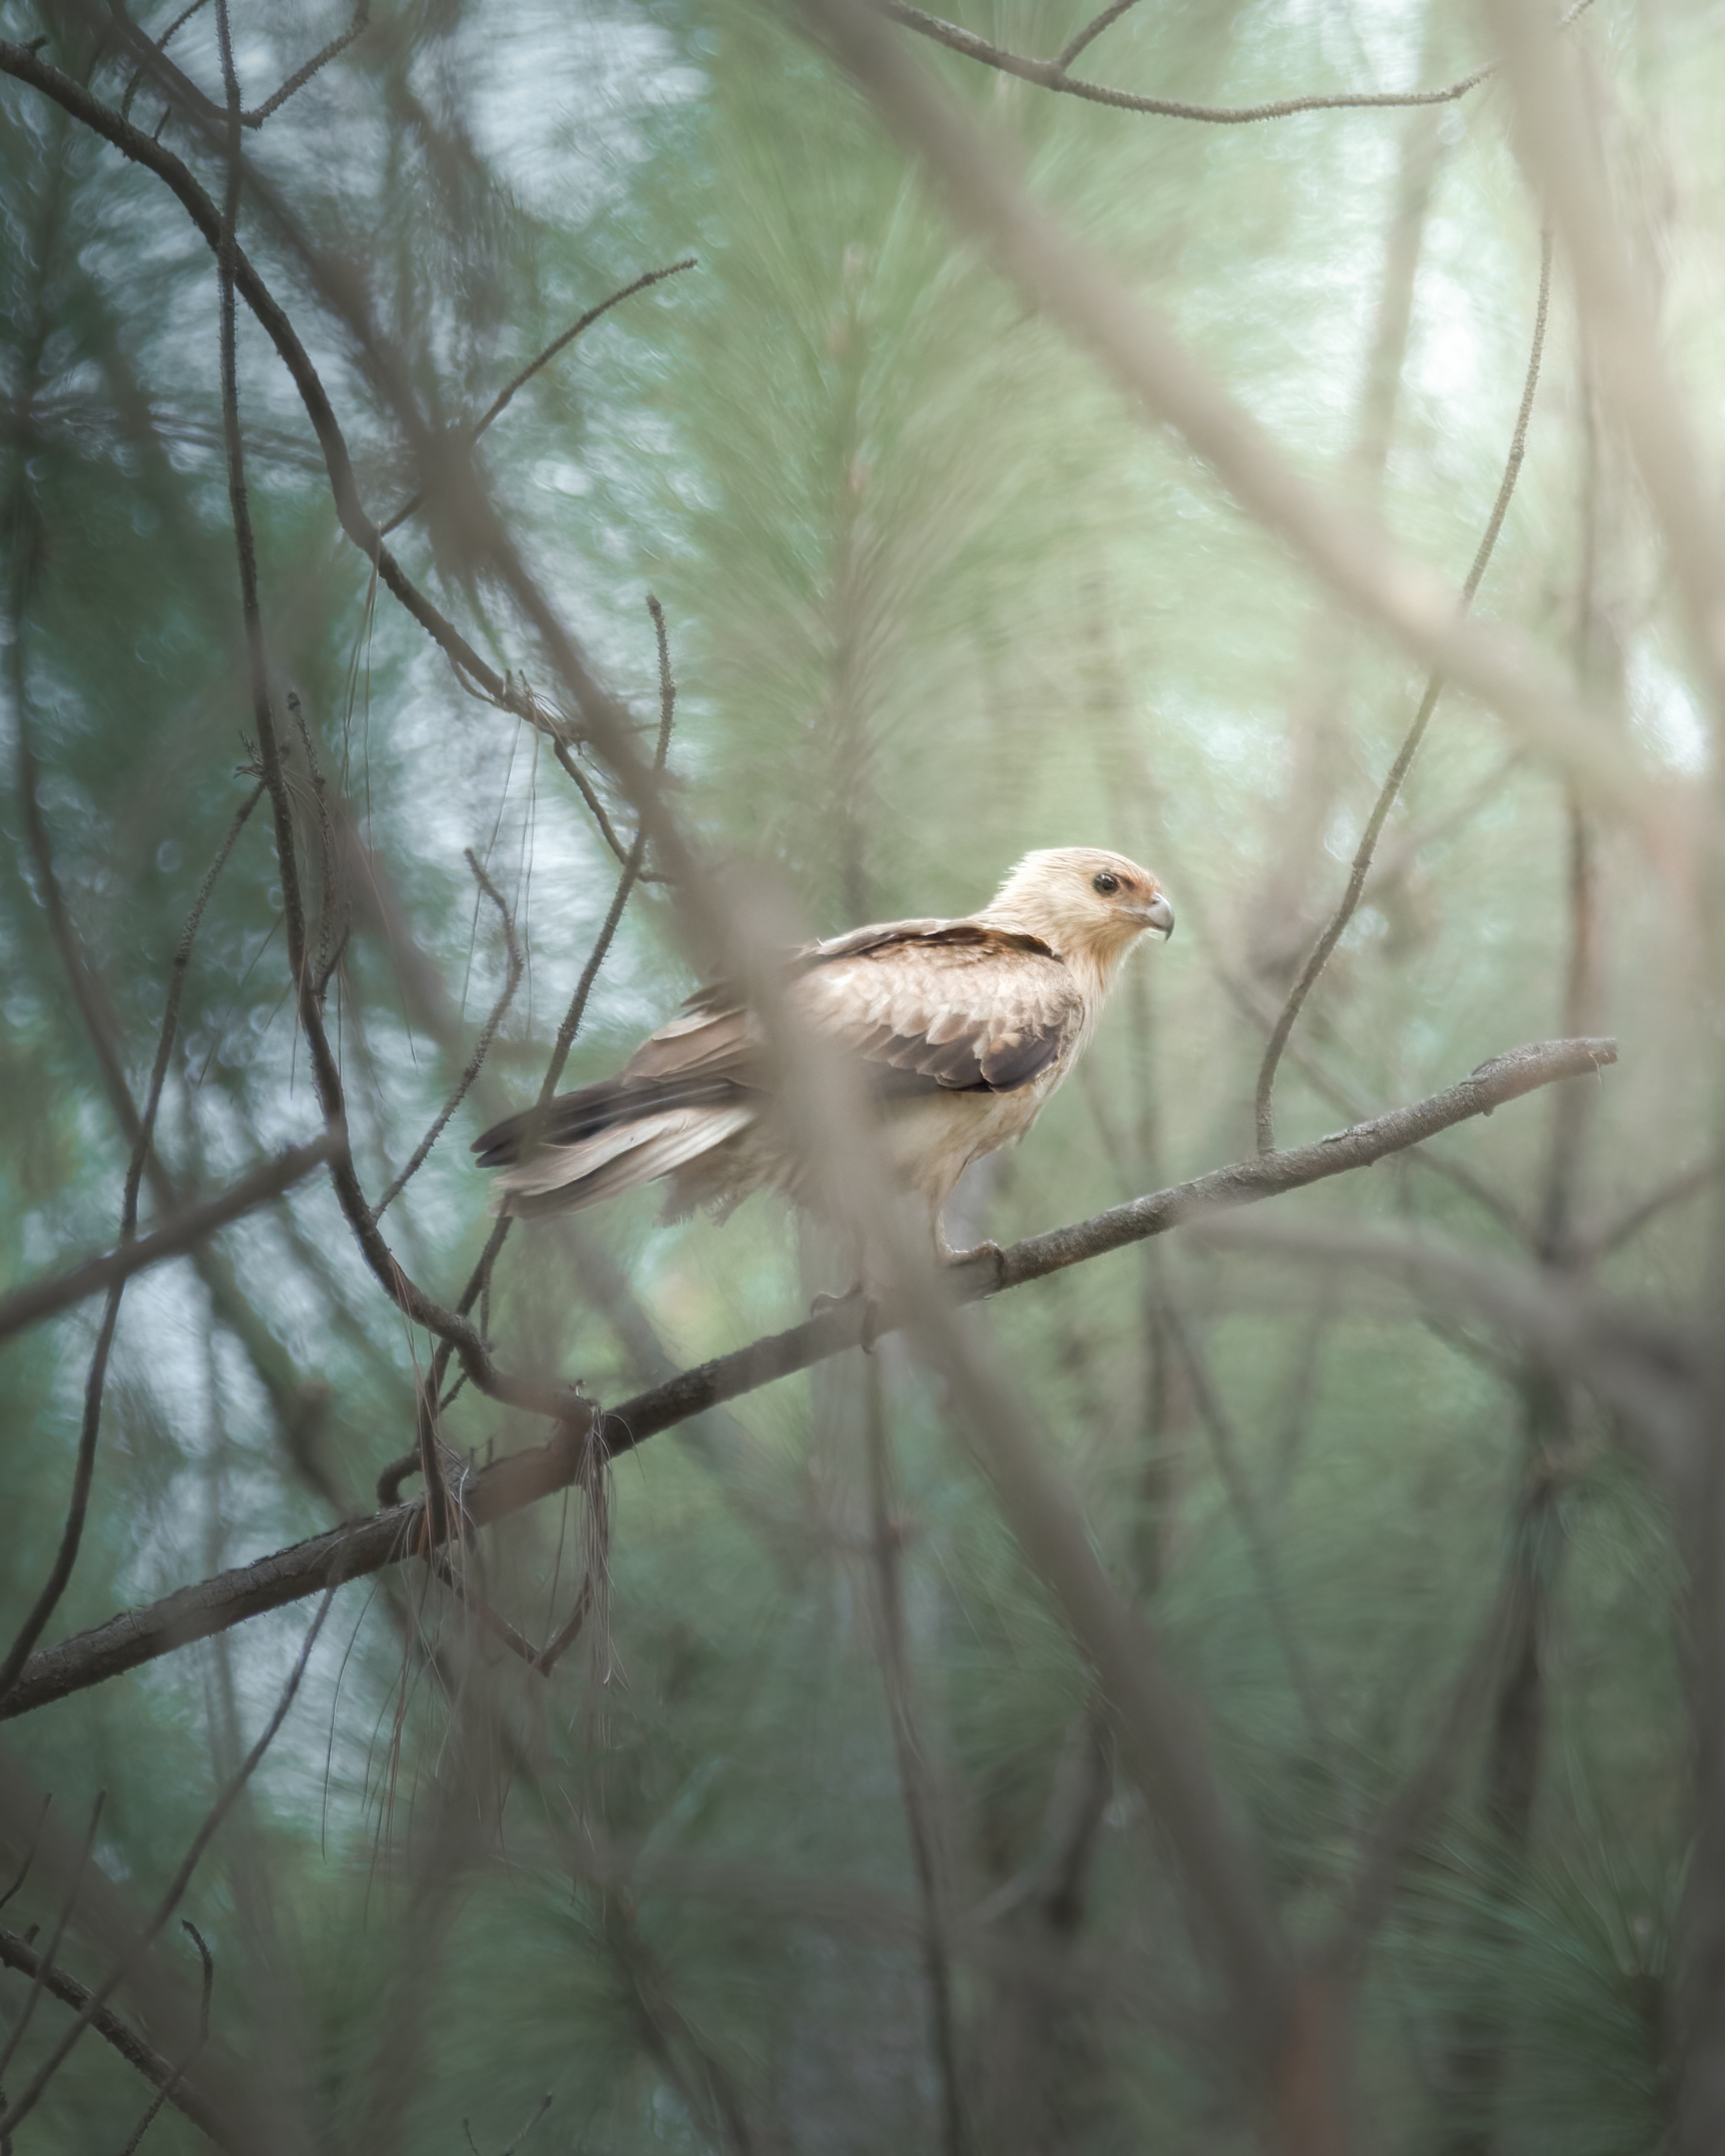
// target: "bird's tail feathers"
[[562, 1178]]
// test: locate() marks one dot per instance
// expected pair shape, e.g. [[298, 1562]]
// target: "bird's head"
[[1083, 903]]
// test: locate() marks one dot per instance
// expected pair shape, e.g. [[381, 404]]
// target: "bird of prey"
[[963, 1030]]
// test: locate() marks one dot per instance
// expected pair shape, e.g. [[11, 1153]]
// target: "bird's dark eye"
[[1104, 883]]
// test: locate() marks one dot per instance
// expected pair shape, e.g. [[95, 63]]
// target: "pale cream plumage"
[[963, 1028]]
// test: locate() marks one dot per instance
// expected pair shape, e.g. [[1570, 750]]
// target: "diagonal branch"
[[1392, 786], [169, 2080], [494, 409], [20, 2108], [29, 1305], [388, 1537]]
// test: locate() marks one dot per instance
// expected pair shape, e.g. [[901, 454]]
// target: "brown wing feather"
[[960, 1007]]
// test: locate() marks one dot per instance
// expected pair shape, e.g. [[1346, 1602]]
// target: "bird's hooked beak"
[[1158, 915]]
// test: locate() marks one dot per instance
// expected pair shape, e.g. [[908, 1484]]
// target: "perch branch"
[[386, 1537]]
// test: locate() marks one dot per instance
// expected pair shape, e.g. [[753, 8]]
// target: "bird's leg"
[[980, 1253]]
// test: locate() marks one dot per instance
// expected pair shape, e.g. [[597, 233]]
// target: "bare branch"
[[916, 1788], [15, 2113], [504, 397], [479, 1282], [27, 66], [162, 43], [523, 1478], [69, 1898], [1364, 853], [1677, 1191], [481, 1046], [1051, 74], [166, 2093], [1557, 111], [18, 1954], [29, 1305], [300, 76], [544, 2106], [1092, 31]]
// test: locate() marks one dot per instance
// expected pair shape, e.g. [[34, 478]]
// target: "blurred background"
[[815, 1838]]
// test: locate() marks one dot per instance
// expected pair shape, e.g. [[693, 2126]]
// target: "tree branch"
[[1051, 74], [213, 1606], [494, 409], [170, 2080], [29, 1305], [1398, 770]]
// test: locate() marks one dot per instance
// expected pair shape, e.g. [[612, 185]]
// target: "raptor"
[[963, 1028]]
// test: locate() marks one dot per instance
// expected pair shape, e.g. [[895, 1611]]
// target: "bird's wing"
[[952, 1005], [926, 1006]]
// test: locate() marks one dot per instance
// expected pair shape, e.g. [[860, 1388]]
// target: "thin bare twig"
[[175, 1238], [1362, 868], [23, 1870], [494, 409], [477, 1607], [422, 1309], [631, 867], [18, 1953], [552, 1652], [544, 2106], [1092, 31], [162, 43], [165, 2094], [481, 1047], [1052, 75], [1678, 1191], [300, 76], [915, 1788], [1249, 1514], [16, 2036], [228, 1797], [84, 1465], [1408, 1811], [523, 1478], [596, 808], [1058, 274], [479, 1280], [26, 65]]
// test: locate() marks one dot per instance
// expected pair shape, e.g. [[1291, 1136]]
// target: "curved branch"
[[1051, 74], [494, 409], [215, 1604], [1391, 788], [27, 66]]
